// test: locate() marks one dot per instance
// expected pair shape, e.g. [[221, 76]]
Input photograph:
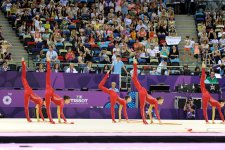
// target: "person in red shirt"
[[207, 98], [113, 98], [56, 99], [144, 96], [30, 95]]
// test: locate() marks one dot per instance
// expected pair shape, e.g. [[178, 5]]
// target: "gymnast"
[[113, 98], [30, 95], [208, 99], [144, 96], [56, 99]]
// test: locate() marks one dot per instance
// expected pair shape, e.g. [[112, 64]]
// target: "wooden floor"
[[105, 126]]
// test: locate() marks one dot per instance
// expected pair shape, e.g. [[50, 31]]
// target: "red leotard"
[[216, 104], [29, 94], [49, 91], [205, 95], [144, 96], [57, 100], [51, 96], [113, 98]]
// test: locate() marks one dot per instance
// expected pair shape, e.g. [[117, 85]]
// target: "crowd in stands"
[[95, 31], [211, 34], [5, 54], [87, 32]]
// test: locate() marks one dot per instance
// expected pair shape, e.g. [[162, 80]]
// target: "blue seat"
[[96, 59], [175, 60], [45, 49], [116, 35], [39, 44], [87, 45], [71, 27], [83, 1]]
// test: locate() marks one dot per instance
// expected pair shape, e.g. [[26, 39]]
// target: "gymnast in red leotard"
[[30, 95], [113, 98], [207, 98], [56, 99], [144, 96]]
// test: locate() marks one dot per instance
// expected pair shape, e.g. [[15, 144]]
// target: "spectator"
[[113, 87], [40, 68], [152, 51], [4, 67], [164, 53], [222, 61], [132, 71], [154, 71], [222, 41], [88, 68], [212, 78], [174, 53], [52, 54], [81, 61], [196, 51], [104, 58], [71, 69], [70, 56], [56, 68], [117, 65], [189, 109], [186, 70], [7, 56], [197, 71], [187, 46], [162, 68], [106, 68]]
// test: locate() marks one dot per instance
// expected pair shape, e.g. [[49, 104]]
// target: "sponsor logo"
[[79, 99], [7, 100]]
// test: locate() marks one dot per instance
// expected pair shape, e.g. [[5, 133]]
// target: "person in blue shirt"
[[113, 87], [117, 66]]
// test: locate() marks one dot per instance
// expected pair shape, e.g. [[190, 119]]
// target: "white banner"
[[173, 40]]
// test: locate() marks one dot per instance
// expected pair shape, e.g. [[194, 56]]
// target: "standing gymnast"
[[30, 95], [207, 98], [144, 96], [56, 99], [113, 98]]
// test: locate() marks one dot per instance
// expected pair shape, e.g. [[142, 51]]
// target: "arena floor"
[[105, 127], [114, 146]]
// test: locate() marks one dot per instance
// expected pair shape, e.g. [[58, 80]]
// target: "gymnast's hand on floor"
[[160, 123], [113, 121], [128, 121], [52, 122], [223, 122], [68, 122], [145, 122], [29, 120]]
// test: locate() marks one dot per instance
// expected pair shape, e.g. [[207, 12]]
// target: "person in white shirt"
[[141, 25], [152, 51], [127, 20], [71, 69], [52, 55], [222, 41]]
